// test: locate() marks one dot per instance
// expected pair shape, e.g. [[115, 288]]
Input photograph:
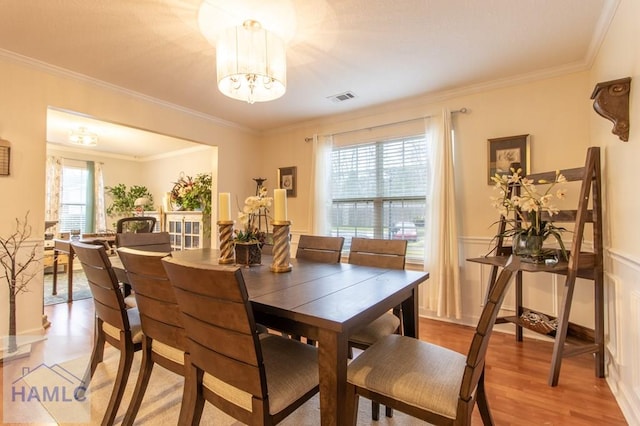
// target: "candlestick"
[[281, 250], [280, 205], [225, 230], [224, 206]]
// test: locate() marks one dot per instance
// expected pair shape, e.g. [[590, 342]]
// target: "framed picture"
[[287, 180], [505, 152], [5, 157]]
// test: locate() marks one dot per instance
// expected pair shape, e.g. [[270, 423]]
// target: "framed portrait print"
[[287, 180], [505, 152]]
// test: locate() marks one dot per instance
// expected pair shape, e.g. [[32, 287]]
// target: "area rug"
[[80, 287], [161, 404]]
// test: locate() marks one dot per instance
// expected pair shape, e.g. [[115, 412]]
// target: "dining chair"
[[114, 323], [137, 224], [255, 378], [380, 253], [320, 248], [148, 241], [163, 340], [427, 381]]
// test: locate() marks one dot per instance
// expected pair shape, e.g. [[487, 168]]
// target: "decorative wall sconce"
[[5, 157], [611, 101]]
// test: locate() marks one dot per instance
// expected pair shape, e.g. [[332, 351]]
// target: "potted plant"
[[249, 239], [523, 213], [16, 271], [189, 193], [123, 200]]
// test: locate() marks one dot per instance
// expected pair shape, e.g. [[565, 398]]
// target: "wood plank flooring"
[[516, 372]]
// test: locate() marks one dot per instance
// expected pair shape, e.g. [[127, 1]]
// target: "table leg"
[[54, 289], [332, 365], [410, 311], [70, 275]]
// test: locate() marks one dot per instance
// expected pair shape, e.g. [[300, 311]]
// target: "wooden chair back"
[[380, 253], [320, 248], [220, 327], [148, 241], [159, 311], [480, 342], [139, 224], [104, 286]]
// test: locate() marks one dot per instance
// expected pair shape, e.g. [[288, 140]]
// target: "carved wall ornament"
[[611, 101]]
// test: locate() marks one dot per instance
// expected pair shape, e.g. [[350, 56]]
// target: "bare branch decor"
[[15, 271]]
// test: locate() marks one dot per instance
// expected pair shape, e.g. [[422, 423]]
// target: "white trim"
[[62, 72]]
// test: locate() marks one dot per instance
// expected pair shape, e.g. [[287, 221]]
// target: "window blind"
[[379, 191]]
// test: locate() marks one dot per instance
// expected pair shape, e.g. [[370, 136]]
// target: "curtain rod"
[[462, 110], [78, 159]]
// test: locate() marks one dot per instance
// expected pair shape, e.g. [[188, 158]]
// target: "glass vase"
[[529, 247]]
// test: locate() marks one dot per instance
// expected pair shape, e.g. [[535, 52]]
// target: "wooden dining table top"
[[324, 302]]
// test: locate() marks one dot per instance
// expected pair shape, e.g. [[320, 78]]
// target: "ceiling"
[[380, 50]]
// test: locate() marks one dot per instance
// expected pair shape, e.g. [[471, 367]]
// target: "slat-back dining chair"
[[147, 241], [427, 381], [257, 379], [380, 253], [115, 324], [320, 248], [164, 340], [137, 224]]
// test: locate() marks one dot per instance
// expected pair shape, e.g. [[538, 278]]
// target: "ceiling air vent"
[[341, 97]]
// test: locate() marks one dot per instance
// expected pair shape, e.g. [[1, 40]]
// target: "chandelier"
[[83, 137], [251, 63]]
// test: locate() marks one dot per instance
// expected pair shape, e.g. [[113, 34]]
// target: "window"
[[379, 191], [76, 197]]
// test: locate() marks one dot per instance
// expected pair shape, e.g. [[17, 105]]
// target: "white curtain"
[[53, 189], [441, 245], [320, 192], [99, 209]]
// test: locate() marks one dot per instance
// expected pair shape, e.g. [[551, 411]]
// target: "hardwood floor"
[[516, 372]]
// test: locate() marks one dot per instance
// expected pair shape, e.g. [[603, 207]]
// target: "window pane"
[[73, 199], [379, 191]]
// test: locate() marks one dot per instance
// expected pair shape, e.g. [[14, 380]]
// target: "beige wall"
[[26, 94], [618, 58]]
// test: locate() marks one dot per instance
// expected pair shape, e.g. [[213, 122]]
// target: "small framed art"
[[504, 152], [287, 180], [5, 157]]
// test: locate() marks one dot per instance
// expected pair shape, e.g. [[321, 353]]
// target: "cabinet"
[[570, 339], [188, 229]]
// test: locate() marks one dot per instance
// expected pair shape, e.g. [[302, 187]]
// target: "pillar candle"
[[224, 206], [280, 205]]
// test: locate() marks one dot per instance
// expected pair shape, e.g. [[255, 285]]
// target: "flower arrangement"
[[523, 213], [193, 193], [248, 216]]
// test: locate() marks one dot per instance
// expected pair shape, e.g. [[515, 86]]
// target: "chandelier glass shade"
[[83, 137], [251, 63]]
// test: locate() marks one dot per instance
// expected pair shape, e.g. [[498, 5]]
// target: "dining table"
[[327, 303]]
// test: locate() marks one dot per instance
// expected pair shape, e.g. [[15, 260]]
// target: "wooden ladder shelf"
[[570, 339]]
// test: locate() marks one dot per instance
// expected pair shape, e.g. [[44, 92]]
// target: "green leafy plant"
[[123, 199], [523, 213]]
